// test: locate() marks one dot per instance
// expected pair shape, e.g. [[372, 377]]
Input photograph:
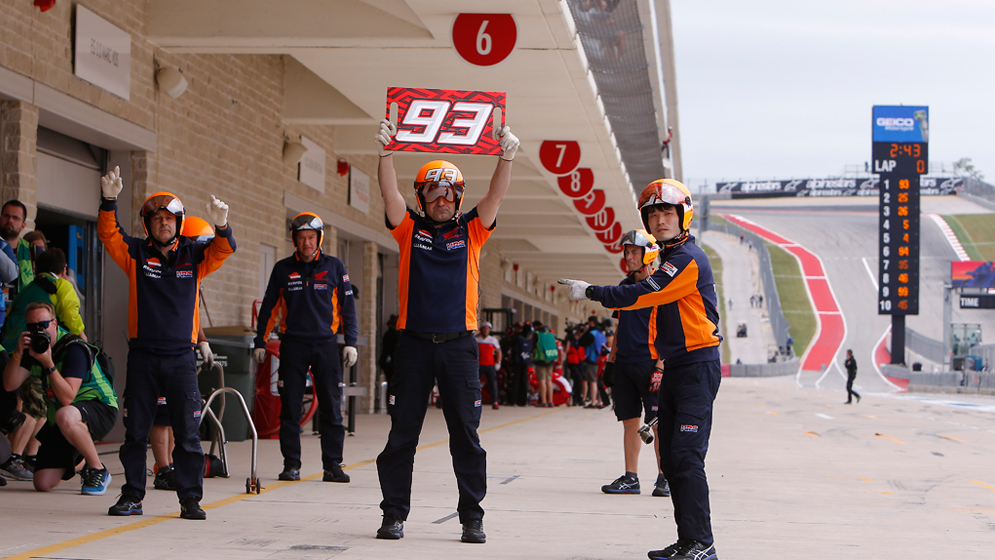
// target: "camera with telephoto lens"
[[646, 432], [40, 341]]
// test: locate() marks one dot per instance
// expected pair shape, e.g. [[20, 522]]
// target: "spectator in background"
[[13, 218], [489, 354], [574, 366], [544, 355], [592, 341], [521, 360]]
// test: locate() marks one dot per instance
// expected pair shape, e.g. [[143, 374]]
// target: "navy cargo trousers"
[[420, 364], [686, 396]]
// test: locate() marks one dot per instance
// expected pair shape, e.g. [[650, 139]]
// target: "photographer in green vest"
[[81, 404]]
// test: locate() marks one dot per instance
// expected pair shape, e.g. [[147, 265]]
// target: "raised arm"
[[393, 202], [488, 206]]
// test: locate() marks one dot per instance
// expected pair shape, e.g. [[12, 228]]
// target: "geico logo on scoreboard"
[[446, 121], [895, 122]]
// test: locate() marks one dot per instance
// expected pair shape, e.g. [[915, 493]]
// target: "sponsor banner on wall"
[[929, 186]]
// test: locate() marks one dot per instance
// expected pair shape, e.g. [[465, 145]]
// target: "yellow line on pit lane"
[[148, 522]]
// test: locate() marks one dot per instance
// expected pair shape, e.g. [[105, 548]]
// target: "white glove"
[[578, 288], [497, 367], [110, 184], [259, 354], [349, 357], [509, 143], [205, 352], [218, 212], [384, 136]]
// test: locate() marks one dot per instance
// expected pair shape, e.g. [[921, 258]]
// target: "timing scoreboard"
[[900, 154]]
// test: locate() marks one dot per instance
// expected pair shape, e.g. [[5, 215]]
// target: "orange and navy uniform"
[[311, 300], [636, 342], [443, 265], [164, 291], [683, 290]]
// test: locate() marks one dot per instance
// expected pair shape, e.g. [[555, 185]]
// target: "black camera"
[[40, 341]]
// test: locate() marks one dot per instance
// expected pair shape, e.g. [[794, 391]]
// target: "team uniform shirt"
[[443, 264], [311, 300], [636, 340], [684, 290], [164, 291], [488, 346]]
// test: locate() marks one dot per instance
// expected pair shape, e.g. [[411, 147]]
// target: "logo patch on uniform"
[[670, 269], [456, 245], [162, 400], [689, 428], [652, 283], [153, 268], [476, 404], [196, 413], [390, 400], [184, 274], [321, 276], [321, 286], [654, 409], [345, 277], [295, 276], [279, 383], [452, 233]]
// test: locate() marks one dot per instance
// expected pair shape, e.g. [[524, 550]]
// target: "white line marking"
[[874, 279], [826, 416]]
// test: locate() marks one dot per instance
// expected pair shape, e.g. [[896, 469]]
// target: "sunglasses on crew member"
[[39, 326], [433, 191]]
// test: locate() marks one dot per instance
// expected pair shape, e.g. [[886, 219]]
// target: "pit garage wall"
[[223, 136]]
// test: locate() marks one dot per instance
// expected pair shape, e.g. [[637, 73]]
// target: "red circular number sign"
[[484, 39], [578, 183], [559, 157], [591, 203], [602, 220]]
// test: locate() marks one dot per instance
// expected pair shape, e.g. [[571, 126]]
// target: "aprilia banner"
[[446, 121], [830, 187]]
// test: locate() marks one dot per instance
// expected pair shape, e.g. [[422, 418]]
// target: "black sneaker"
[[666, 553], [335, 474], [473, 531], [290, 473], [694, 550], [126, 505], [15, 468], [3, 481], [95, 481], [662, 487], [392, 528], [190, 509], [622, 485], [165, 478]]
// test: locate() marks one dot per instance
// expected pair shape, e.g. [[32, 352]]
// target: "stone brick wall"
[[18, 150]]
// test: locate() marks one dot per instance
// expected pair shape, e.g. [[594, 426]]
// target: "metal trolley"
[[219, 440]]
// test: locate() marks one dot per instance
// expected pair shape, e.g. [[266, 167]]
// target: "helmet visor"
[[433, 191], [307, 221], [666, 194], [162, 202]]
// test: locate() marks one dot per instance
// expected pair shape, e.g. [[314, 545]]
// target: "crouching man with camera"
[[81, 403]]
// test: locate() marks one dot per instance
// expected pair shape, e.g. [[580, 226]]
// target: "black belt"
[[438, 337]]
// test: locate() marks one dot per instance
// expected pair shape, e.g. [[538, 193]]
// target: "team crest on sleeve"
[[670, 269], [345, 277], [653, 284]]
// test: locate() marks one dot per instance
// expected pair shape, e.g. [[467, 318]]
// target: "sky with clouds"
[[781, 89]]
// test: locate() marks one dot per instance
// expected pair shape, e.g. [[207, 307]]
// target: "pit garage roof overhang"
[[342, 55]]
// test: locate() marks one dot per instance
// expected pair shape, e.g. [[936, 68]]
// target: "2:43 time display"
[[909, 150]]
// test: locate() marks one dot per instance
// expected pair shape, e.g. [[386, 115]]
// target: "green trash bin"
[[234, 354]]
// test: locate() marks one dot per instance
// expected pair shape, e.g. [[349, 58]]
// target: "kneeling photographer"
[[80, 399]]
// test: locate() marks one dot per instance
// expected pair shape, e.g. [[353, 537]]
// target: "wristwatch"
[[589, 292], [50, 371]]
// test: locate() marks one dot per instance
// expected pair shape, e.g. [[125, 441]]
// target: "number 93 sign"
[[446, 121]]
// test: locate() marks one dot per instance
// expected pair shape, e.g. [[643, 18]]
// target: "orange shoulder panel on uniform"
[[683, 285], [402, 234]]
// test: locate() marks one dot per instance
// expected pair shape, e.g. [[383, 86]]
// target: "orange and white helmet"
[[197, 229], [436, 179], [307, 221], [640, 238], [667, 191], [162, 201]]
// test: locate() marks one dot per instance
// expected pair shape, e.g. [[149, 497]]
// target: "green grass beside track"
[[716, 263], [976, 232], [795, 304]]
